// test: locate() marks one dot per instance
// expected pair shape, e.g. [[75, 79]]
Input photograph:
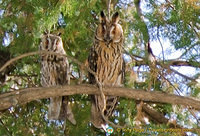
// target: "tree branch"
[[24, 96], [44, 52], [183, 63], [168, 63], [175, 62]]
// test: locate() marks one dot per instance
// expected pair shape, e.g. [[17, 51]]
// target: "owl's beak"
[[108, 40], [108, 43]]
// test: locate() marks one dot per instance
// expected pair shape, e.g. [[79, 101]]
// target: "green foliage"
[[22, 23], [28, 120]]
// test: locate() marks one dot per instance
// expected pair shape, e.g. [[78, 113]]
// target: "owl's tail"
[[96, 109], [54, 108], [60, 109]]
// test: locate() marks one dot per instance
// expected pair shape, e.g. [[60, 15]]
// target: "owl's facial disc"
[[109, 31]]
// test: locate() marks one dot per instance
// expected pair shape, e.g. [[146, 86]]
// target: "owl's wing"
[[92, 61], [96, 116]]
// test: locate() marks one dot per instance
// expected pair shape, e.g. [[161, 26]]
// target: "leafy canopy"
[[22, 23]]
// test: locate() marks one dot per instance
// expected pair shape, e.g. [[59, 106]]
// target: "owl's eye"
[[103, 27], [112, 30]]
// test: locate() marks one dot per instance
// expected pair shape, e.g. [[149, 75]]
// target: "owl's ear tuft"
[[102, 17], [102, 14], [115, 18]]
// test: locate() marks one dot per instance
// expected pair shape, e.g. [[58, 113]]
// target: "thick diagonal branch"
[[24, 96]]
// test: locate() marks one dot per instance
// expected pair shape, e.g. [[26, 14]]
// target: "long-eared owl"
[[106, 60], [55, 71]]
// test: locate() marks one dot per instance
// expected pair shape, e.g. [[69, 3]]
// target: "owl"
[[106, 60], [55, 71]]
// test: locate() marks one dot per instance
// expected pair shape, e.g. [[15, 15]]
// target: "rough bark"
[[24, 96]]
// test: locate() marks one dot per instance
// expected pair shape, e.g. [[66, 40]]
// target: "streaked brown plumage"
[[106, 61], [55, 71]]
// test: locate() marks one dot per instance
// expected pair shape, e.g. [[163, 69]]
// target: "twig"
[[180, 74], [163, 55], [9, 133], [191, 47], [178, 90], [111, 123], [23, 75]]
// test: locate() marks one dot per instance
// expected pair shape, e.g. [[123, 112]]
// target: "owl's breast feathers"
[[107, 62]]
